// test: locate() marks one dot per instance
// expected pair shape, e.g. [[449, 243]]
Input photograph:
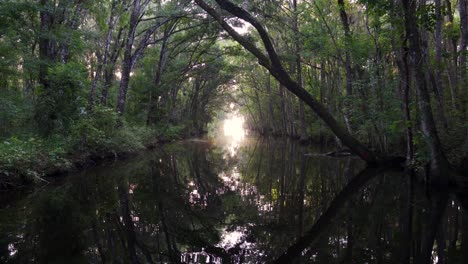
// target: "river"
[[199, 201]]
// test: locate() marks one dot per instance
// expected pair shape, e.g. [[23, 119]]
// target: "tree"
[[132, 50], [274, 65]]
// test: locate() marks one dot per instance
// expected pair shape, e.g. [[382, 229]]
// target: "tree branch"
[[274, 66]]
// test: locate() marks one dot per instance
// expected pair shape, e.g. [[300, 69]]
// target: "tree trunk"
[[464, 235], [441, 244], [406, 222], [453, 76], [103, 62], [128, 58], [261, 124], [439, 90], [284, 118], [151, 119], [439, 163], [194, 106], [72, 22], [124, 82], [45, 46], [405, 87], [273, 64], [328, 216], [302, 190], [127, 220], [438, 205], [463, 53], [291, 114], [303, 125], [109, 67], [348, 66], [271, 123], [96, 77]]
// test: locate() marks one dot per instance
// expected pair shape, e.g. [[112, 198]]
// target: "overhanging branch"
[[274, 66]]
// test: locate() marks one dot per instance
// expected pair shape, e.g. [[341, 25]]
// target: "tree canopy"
[[383, 78]]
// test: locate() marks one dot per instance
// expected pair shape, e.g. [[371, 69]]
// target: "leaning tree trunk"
[[275, 67]]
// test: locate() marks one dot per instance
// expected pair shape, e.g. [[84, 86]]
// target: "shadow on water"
[[264, 201]]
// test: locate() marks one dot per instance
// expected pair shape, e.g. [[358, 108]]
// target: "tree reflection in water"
[[191, 203]]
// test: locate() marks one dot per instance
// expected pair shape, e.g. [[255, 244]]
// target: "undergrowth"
[[27, 159]]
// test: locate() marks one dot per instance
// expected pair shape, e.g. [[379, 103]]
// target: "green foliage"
[[187, 73], [97, 133], [15, 114], [30, 158], [64, 100], [427, 17], [451, 30], [422, 154], [171, 133]]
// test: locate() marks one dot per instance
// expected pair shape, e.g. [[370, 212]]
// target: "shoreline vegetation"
[[26, 160]]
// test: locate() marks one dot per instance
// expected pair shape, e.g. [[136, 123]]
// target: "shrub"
[[27, 159], [97, 133], [170, 133], [62, 102]]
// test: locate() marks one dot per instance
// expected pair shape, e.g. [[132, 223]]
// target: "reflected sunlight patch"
[[234, 133]]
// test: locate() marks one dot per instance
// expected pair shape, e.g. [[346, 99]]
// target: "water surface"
[[203, 202]]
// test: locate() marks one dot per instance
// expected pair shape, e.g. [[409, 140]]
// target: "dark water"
[[196, 202]]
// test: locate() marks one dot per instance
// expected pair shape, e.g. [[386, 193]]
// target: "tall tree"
[[439, 162], [297, 44], [132, 50]]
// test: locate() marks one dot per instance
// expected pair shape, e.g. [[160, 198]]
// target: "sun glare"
[[234, 128], [234, 133]]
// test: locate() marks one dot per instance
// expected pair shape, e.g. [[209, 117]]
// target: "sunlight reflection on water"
[[234, 132]]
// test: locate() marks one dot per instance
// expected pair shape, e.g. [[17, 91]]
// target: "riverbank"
[[28, 160]]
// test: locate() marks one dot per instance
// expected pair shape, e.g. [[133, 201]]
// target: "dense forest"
[[84, 79], [348, 140]]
